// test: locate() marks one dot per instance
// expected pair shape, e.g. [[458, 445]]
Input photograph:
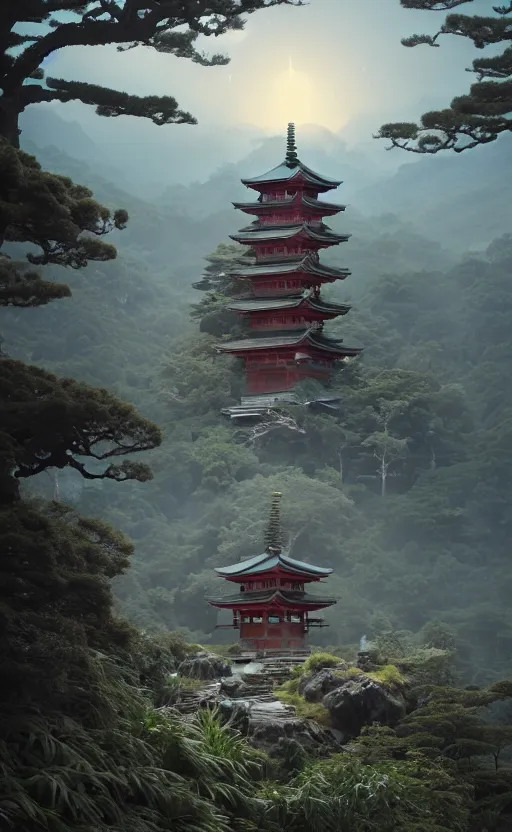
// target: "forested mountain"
[[122, 486], [429, 394]]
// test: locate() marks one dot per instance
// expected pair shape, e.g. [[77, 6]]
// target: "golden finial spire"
[[273, 533]]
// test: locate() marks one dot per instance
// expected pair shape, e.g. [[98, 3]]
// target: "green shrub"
[[388, 676], [305, 710], [318, 661]]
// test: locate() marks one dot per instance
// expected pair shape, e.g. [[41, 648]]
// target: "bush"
[[305, 710], [388, 676], [318, 661]]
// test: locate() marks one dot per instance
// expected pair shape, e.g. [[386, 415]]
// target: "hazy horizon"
[[337, 65]]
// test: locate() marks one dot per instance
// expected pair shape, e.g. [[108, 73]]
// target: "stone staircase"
[[191, 700], [255, 693]]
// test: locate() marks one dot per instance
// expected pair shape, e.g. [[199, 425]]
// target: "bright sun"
[[291, 98]]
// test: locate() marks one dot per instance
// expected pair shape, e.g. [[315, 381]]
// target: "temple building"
[[284, 310], [272, 607]]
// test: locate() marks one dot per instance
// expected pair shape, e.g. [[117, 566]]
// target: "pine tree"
[[483, 114], [53, 214], [169, 26]]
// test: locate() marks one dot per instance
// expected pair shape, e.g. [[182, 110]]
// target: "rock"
[[360, 702], [204, 666], [270, 734], [314, 688], [231, 687]]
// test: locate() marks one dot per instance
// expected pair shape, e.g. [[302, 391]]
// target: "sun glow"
[[292, 95], [291, 98]]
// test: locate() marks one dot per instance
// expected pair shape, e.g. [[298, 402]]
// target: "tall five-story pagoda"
[[284, 310], [271, 608]]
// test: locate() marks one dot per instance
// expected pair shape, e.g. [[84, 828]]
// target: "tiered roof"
[[296, 232], [302, 337], [273, 598], [257, 233], [308, 264], [304, 201], [292, 169], [275, 304], [269, 561], [273, 562]]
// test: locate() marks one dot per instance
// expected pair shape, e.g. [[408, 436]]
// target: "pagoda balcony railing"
[[279, 258], [227, 626]]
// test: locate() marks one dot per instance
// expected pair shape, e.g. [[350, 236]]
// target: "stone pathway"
[[257, 698]]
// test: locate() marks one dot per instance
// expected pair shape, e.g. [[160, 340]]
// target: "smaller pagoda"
[[272, 607]]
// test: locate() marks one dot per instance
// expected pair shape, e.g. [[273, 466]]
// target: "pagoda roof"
[[308, 336], [256, 233], [268, 304], [272, 560], [287, 172], [273, 597], [272, 204], [307, 264]]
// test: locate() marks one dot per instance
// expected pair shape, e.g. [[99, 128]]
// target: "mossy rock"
[[205, 666], [389, 676], [305, 710], [319, 661]]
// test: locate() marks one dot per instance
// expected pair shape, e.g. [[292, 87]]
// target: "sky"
[[337, 64], [328, 63]]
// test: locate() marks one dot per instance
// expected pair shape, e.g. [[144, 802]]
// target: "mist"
[[394, 471]]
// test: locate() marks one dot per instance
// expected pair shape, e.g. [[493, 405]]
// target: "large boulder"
[[360, 702], [232, 687], [270, 734], [204, 666], [314, 688]]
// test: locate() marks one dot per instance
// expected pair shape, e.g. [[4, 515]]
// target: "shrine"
[[272, 607], [285, 313]]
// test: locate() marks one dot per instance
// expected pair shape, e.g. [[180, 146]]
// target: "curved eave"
[[316, 205], [285, 174], [251, 236], [322, 207], [301, 338], [273, 598], [275, 305], [334, 346], [267, 562], [306, 265]]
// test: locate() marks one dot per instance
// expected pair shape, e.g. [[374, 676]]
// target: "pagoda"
[[284, 310], [272, 607]]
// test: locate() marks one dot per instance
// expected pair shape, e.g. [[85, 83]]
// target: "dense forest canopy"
[[484, 113]]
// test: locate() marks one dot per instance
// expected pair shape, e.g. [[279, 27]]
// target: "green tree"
[[32, 30], [220, 288], [59, 221], [48, 422], [387, 449], [484, 113]]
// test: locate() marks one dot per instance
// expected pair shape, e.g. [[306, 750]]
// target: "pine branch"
[[111, 103], [433, 5], [478, 117]]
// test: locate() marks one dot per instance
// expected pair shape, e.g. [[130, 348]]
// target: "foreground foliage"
[[170, 28], [484, 113]]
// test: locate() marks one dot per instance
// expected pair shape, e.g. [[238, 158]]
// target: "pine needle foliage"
[[483, 114]]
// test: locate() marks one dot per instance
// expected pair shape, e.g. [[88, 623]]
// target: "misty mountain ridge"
[[448, 198]]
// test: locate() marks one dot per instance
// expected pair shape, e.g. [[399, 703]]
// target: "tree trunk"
[[383, 475]]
